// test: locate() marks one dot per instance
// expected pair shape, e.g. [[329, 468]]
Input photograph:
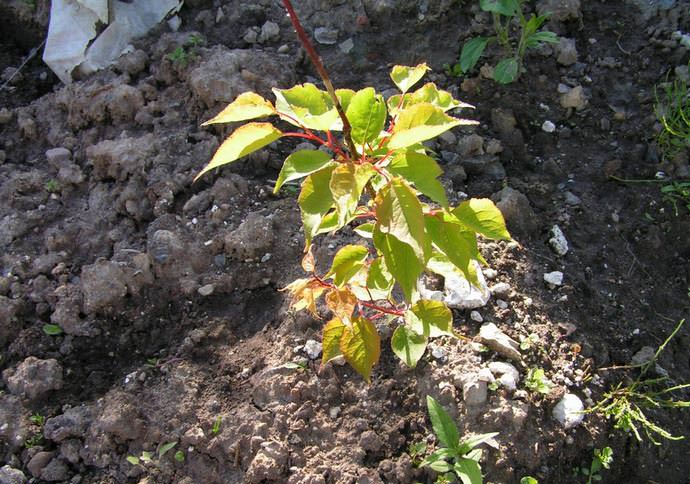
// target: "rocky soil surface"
[[167, 322]]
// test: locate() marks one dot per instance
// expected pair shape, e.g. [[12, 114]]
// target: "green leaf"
[[307, 106], [506, 71], [347, 262], [244, 140], [504, 7], [365, 230], [457, 244], [401, 261], [345, 97], [146, 456], [408, 345], [528, 480], [379, 280], [430, 318], [428, 93], [422, 171], [248, 105], [468, 444], [52, 329], [445, 429], [440, 466], [405, 77], [421, 122], [300, 164], [468, 471], [346, 185], [441, 265], [399, 213], [482, 216], [315, 200], [332, 334], [367, 115], [134, 460], [361, 346], [538, 38], [471, 52], [533, 24], [165, 448], [179, 456], [437, 455]]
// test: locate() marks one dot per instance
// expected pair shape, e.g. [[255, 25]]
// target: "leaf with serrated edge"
[[422, 171], [468, 471], [361, 346], [421, 122], [405, 77], [430, 318], [332, 333], [484, 217], [347, 262], [445, 429], [300, 164], [307, 106], [244, 140], [428, 93], [342, 302], [315, 200], [367, 116], [408, 345], [399, 214], [401, 261], [248, 105]]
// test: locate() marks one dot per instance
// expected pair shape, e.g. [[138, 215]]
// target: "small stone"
[[284, 49], [475, 316], [58, 157], [554, 278], [266, 257], [508, 375], [347, 46], [485, 375], [470, 146], [326, 36], [333, 412], [502, 289], [494, 147], [498, 341], [5, 116], [644, 356], [568, 412], [370, 441], [474, 391], [174, 23], [501, 304], [572, 199], [516, 209], [558, 242], [206, 290], [574, 98], [10, 475], [33, 377], [566, 51], [270, 31], [313, 349], [548, 127], [490, 274], [448, 138], [438, 352], [38, 462]]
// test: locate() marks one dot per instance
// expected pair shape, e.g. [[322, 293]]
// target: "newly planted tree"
[[372, 171]]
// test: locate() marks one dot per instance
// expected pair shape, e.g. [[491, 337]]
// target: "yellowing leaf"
[[401, 261], [315, 200], [428, 93], [361, 346], [347, 262], [405, 77], [408, 345], [399, 214], [482, 216], [332, 333], [300, 164], [304, 293], [421, 122], [347, 182], [430, 318], [342, 302], [248, 105], [422, 171], [308, 263], [244, 140], [307, 106], [367, 115]]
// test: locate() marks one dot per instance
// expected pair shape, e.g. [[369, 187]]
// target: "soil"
[[167, 291]]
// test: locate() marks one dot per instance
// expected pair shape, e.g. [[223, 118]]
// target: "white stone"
[[326, 36], [569, 411], [554, 278], [313, 349], [475, 316], [548, 127], [206, 290], [485, 375], [346, 46], [508, 382], [490, 274], [500, 342], [508, 375], [501, 304], [460, 294], [438, 352], [502, 289], [558, 242], [474, 392]]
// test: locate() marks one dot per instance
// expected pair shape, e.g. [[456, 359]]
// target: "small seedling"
[[602, 460], [504, 13], [165, 448], [677, 192], [673, 111], [147, 457], [536, 381], [52, 329], [527, 343], [52, 186], [184, 53], [528, 480], [36, 438], [416, 449], [38, 419], [295, 365], [626, 404], [215, 430], [455, 457], [179, 456]]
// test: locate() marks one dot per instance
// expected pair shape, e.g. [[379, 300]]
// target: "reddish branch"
[[375, 307], [316, 60]]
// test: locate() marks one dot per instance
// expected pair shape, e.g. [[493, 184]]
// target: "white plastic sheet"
[[73, 27]]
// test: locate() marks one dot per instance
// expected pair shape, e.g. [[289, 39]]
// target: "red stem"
[[394, 312], [316, 60]]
